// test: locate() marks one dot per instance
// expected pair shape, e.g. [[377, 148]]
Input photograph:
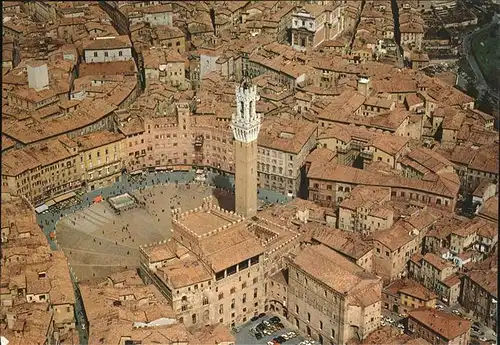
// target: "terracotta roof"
[[429, 159], [446, 325], [388, 335], [348, 244], [328, 171], [17, 161], [288, 136], [436, 261], [489, 209], [487, 279], [97, 139], [184, 272], [107, 68], [332, 269], [321, 155], [108, 43], [394, 238], [390, 144], [88, 112]]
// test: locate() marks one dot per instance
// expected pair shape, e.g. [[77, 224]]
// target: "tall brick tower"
[[246, 125]]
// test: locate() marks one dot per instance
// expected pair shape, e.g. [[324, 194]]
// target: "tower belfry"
[[246, 126]]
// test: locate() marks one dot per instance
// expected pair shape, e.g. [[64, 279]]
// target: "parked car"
[[280, 339], [261, 315], [255, 318], [258, 336], [275, 319]]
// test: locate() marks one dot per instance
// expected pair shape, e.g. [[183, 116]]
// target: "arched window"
[[242, 109], [193, 319], [184, 298]]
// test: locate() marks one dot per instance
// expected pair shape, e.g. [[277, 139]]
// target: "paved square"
[[98, 242]]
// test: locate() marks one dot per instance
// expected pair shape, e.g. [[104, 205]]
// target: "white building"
[[108, 49], [38, 76]]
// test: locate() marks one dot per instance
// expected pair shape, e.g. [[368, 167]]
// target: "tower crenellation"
[[246, 122]]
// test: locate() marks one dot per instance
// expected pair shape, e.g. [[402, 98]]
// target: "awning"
[[137, 172], [182, 168], [160, 168], [50, 203], [199, 171], [65, 196], [41, 208]]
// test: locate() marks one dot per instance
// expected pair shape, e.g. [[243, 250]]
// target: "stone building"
[[365, 210], [314, 23], [283, 149], [215, 267], [479, 291], [438, 327], [108, 49], [403, 295], [325, 307]]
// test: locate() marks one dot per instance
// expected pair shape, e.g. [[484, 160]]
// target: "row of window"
[[106, 54]]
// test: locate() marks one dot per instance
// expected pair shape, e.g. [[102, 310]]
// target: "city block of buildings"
[[393, 174]]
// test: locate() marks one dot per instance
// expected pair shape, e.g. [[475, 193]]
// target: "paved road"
[[480, 83]]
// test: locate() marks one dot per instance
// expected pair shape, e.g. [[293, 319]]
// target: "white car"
[[439, 307], [483, 339], [382, 323]]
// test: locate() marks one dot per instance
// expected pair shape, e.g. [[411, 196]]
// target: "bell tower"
[[246, 126]]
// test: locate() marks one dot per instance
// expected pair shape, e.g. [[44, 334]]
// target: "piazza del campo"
[[250, 172]]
